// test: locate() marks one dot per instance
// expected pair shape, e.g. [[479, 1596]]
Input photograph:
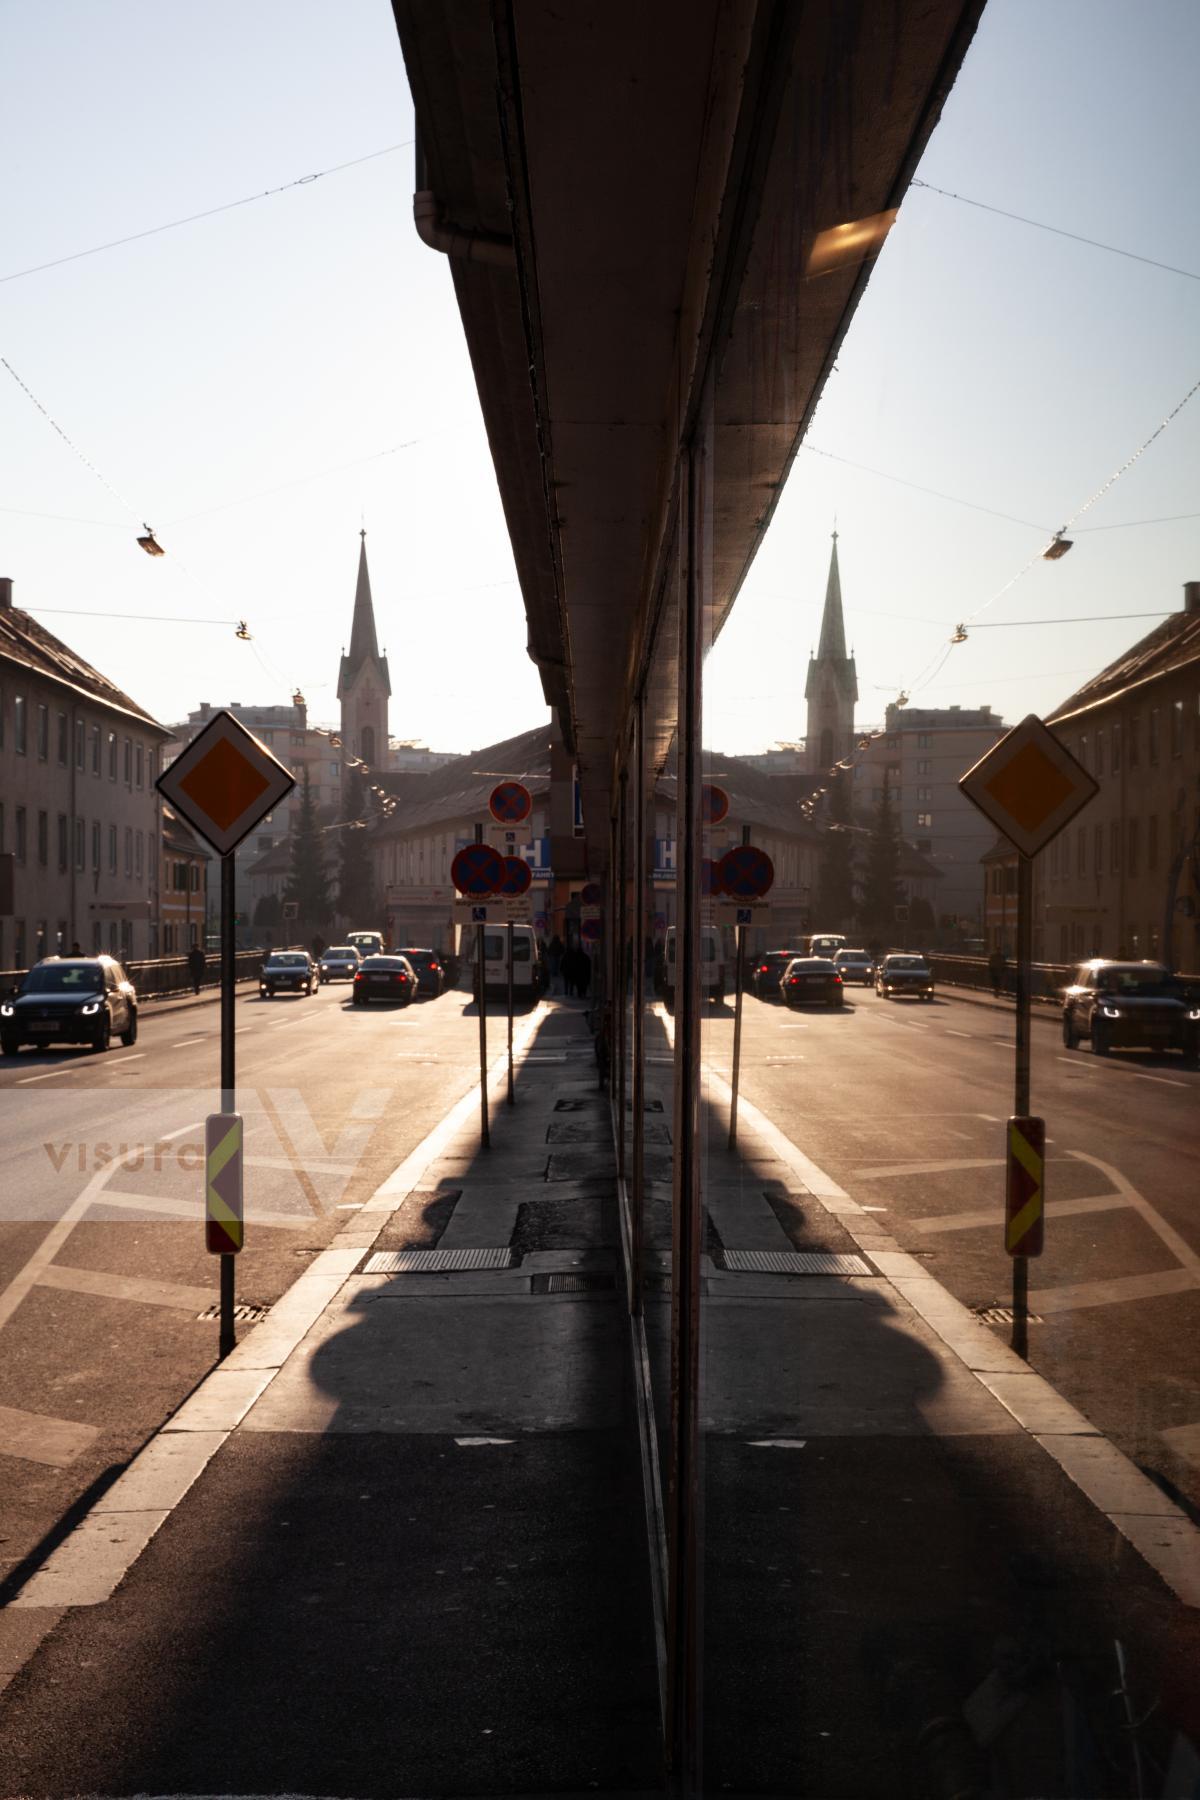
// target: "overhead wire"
[[1056, 230], [211, 212]]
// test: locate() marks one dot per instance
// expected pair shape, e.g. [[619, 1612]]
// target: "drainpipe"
[[434, 229]]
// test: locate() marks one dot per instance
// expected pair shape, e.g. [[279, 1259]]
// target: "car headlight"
[[1111, 1012], [1194, 1013], [93, 1006], [7, 1009]]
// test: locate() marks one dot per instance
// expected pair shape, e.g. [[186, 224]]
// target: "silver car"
[[341, 963]]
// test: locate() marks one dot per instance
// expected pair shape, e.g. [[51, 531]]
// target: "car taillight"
[[792, 980], [838, 979], [434, 968], [360, 977], [402, 977]]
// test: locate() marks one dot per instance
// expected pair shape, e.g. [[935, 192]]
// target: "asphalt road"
[[103, 1272], [904, 1104]]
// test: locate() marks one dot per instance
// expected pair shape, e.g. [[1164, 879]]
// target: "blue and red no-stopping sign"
[[515, 878], [477, 870], [510, 802], [744, 873]]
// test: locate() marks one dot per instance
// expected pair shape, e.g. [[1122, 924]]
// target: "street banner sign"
[[224, 1231], [1029, 785], [515, 879], [224, 782], [518, 911], [476, 870], [714, 803], [744, 873], [510, 802], [507, 839], [1024, 1203]]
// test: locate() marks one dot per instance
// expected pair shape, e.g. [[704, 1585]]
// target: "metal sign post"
[[1020, 1263], [737, 1024], [485, 1133], [226, 1339], [509, 935], [222, 784], [1029, 786]]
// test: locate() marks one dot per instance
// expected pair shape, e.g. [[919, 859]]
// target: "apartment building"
[[78, 807], [1124, 878]]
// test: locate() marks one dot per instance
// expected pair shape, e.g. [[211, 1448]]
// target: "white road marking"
[[469, 1443], [125, 1287], [990, 1118], [1163, 1080], [963, 1034], [34, 1437], [67, 1069], [876, 1171], [184, 1042], [777, 1443], [983, 1218], [1077, 1062], [1184, 1440], [1108, 1293]]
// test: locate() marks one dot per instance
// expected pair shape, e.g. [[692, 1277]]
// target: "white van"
[[712, 966], [527, 984]]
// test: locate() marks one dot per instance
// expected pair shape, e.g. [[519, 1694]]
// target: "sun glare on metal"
[[842, 246]]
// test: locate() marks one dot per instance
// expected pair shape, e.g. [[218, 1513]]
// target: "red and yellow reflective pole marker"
[[1024, 1201], [224, 1231]]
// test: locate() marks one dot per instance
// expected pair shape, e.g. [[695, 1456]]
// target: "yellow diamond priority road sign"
[[1028, 785], [224, 782]]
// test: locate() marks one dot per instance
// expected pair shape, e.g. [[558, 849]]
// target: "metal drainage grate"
[[1003, 1315], [421, 1262], [572, 1281], [249, 1315], [794, 1262]]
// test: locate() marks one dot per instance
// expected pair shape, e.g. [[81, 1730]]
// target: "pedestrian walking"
[[196, 962], [997, 968], [554, 961]]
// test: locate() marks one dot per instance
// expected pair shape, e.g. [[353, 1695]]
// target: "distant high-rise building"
[[832, 686]]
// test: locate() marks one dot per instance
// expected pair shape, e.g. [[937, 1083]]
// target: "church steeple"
[[364, 685], [832, 685]]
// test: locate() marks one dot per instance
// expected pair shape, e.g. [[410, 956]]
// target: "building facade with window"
[[183, 886], [78, 807], [1123, 879], [924, 752]]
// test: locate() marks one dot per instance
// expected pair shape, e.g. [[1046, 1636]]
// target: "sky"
[[260, 385]]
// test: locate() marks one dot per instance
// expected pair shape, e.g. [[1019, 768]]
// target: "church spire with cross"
[[364, 685], [832, 685]]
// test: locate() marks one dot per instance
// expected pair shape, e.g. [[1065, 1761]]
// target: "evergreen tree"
[[356, 876], [308, 882], [882, 891], [269, 910], [835, 874]]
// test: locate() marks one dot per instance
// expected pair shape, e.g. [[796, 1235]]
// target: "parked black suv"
[[70, 1000]]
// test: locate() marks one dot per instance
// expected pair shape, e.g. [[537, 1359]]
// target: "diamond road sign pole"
[[226, 1340], [485, 1135], [1020, 1308]]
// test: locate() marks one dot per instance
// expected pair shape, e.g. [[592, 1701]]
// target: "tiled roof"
[[1169, 646], [25, 642], [461, 788]]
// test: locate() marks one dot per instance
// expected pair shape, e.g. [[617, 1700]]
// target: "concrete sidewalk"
[[404, 1556]]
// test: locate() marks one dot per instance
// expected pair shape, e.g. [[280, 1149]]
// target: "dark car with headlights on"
[[1124, 1005], [340, 963], [901, 973], [427, 967], [286, 972], [71, 1000], [389, 978], [855, 965], [767, 970], [812, 981]]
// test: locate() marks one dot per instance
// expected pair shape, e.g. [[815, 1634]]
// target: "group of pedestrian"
[[569, 964]]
